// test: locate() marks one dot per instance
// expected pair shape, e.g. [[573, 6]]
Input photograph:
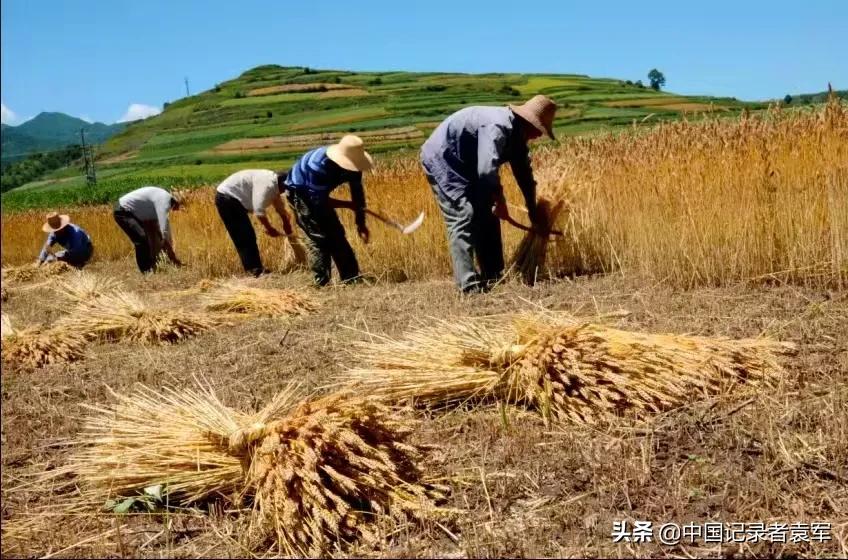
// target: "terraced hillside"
[[269, 115]]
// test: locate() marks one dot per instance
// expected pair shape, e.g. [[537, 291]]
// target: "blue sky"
[[98, 58]]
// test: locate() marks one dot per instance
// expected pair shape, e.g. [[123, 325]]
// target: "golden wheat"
[[35, 347], [565, 369], [32, 272], [238, 297], [585, 372], [123, 316], [702, 202], [81, 286], [314, 472]]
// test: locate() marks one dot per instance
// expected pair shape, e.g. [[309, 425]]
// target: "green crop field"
[[183, 145]]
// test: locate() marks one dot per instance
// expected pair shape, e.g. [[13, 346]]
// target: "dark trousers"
[[237, 222], [325, 238], [76, 259], [132, 226]]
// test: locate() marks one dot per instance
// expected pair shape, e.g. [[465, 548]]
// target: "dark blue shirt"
[[317, 175], [72, 238]]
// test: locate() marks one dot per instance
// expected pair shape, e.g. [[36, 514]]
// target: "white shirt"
[[254, 188], [150, 204]]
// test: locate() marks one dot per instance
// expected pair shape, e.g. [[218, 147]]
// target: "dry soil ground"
[[519, 489]]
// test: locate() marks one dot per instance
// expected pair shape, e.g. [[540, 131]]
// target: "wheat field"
[[710, 202]]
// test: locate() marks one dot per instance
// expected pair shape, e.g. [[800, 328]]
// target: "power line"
[[186, 83], [88, 155]]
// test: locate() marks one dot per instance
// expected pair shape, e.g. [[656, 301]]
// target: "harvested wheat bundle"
[[585, 372], [236, 297], [6, 328], [31, 272], [436, 365], [120, 316], [313, 472], [294, 253], [35, 347], [322, 472], [564, 369], [83, 286], [554, 192], [174, 438]]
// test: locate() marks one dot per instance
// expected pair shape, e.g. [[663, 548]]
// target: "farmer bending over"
[[143, 214], [461, 160], [73, 239], [310, 182], [246, 192]]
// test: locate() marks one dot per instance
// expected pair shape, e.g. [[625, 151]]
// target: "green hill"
[[51, 131], [271, 114]]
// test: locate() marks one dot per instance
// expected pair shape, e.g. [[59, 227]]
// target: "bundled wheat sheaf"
[[313, 473], [235, 297], [83, 286], [565, 369], [124, 316], [34, 347], [32, 272]]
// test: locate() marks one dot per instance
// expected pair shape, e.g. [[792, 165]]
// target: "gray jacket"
[[465, 151]]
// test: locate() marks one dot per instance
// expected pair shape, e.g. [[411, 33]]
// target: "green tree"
[[787, 99], [657, 79]]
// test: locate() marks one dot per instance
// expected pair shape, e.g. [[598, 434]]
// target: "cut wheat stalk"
[[587, 372], [236, 297], [35, 347], [312, 472], [32, 272], [81, 286], [566, 369], [123, 316]]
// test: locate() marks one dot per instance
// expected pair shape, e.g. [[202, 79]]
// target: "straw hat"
[[539, 112], [350, 154], [55, 222]]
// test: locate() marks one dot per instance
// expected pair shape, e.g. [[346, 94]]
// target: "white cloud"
[[7, 116], [138, 111], [86, 118]]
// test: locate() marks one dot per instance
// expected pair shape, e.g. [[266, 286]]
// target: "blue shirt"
[[466, 150], [317, 175], [72, 238]]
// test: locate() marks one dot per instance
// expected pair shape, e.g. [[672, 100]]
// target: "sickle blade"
[[415, 224]]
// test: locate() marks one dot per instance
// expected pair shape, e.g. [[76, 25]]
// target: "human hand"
[[500, 209], [363, 233]]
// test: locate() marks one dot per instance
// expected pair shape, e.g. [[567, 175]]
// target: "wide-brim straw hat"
[[350, 154], [539, 112], [55, 222]]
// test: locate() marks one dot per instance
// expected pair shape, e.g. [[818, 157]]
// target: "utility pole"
[[186, 83], [88, 158]]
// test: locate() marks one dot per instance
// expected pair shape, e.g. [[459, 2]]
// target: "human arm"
[[280, 208], [357, 196], [264, 195], [45, 250], [519, 162], [168, 247], [491, 146]]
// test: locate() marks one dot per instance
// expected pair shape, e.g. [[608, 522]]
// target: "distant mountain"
[[820, 97], [51, 131]]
